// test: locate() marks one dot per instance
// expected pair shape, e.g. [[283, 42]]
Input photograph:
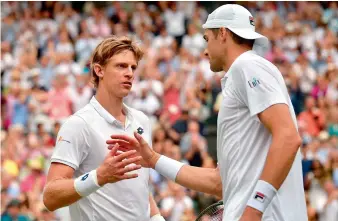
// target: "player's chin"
[[215, 67], [124, 91]]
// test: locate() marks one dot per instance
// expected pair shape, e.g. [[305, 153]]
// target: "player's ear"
[[98, 70], [223, 33]]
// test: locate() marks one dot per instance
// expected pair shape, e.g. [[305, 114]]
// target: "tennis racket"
[[213, 212]]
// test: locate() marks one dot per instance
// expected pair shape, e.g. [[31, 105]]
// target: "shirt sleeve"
[[258, 88], [71, 145]]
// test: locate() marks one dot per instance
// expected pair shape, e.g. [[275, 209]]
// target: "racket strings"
[[214, 213]]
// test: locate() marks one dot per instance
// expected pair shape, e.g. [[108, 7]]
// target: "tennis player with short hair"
[[259, 170], [103, 188]]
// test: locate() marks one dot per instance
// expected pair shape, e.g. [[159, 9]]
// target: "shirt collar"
[[107, 116]]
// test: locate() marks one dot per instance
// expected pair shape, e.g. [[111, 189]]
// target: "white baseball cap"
[[239, 20]]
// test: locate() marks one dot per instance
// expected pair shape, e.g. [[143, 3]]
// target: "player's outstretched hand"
[[117, 167], [127, 143]]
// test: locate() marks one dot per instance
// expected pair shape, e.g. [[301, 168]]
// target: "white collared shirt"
[[81, 144], [251, 85]]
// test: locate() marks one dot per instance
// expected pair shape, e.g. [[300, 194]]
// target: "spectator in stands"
[[193, 145], [12, 212], [330, 211], [59, 104], [176, 203], [311, 118], [175, 21]]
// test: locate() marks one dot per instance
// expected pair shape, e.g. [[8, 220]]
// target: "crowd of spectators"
[[45, 77]]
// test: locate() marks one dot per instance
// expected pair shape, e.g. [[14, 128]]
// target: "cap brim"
[[260, 40], [246, 33]]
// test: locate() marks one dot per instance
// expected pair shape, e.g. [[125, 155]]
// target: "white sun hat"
[[240, 21]]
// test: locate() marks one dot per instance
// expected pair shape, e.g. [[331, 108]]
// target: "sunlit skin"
[[117, 75], [221, 50], [214, 50], [116, 78]]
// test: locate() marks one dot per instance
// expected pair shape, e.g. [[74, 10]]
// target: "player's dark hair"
[[237, 39]]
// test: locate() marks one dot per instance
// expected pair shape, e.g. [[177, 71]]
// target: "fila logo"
[[254, 82], [252, 21], [259, 197], [85, 177]]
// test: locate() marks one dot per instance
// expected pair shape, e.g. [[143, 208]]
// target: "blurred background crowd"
[[45, 77]]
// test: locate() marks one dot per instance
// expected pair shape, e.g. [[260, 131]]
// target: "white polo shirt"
[[82, 145], [251, 85]]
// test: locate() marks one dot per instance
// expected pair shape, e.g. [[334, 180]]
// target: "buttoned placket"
[[109, 118]]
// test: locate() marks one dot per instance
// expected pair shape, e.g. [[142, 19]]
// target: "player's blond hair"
[[110, 47]]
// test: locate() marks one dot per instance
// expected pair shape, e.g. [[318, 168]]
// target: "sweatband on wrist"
[[262, 195], [168, 167], [86, 184], [157, 217]]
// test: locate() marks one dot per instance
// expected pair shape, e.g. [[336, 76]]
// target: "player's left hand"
[[251, 214], [122, 149]]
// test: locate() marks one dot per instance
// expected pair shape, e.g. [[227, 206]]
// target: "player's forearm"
[[60, 193], [206, 180], [280, 158]]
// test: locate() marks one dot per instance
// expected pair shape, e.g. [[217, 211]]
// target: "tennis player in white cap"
[[259, 172]]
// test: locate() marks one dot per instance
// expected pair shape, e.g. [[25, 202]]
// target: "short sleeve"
[[258, 88], [71, 146]]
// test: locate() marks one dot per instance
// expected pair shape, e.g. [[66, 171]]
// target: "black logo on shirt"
[[85, 177], [140, 130]]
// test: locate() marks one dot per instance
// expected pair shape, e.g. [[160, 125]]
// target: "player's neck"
[[111, 103], [232, 55]]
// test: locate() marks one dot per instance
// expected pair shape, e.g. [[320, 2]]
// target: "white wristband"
[[86, 184], [157, 217], [262, 195], [168, 167]]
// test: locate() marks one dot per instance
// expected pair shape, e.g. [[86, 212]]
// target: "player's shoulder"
[[252, 61], [74, 122], [137, 113], [250, 64], [88, 114], [80, 119]]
